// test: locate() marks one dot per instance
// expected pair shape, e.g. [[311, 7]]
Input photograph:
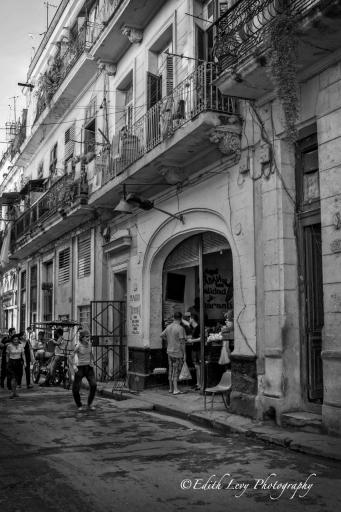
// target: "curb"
[[282, 439]]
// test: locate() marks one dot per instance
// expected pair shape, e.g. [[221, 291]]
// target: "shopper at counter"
[[175, 336]]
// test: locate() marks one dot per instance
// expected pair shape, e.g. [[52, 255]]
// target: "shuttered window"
[[69, 141], [169, 75], [64, 266], [84, 257]]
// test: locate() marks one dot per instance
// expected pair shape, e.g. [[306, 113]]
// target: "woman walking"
[[15, 355]]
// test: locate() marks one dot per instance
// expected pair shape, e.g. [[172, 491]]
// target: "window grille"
[[64, 266], [84, 257]]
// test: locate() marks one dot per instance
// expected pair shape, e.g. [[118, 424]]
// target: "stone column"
[[329, 139]]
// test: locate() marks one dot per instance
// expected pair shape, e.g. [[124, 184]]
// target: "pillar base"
[[244, 385]]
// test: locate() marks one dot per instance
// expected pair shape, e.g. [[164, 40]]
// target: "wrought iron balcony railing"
[[62, 195], [65, 60], [240, 29], [192, 96]]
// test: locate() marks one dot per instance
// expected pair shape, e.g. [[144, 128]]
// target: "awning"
[[33, 186]]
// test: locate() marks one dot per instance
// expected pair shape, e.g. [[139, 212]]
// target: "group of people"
[[17, 355], [20, 350]]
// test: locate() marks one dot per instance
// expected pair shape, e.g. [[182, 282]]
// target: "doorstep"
[[303, 421], [190, 406]]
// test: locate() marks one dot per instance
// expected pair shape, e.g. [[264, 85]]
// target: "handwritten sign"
[[335, 246]]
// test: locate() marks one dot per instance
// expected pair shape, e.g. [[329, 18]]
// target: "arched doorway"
[[198, 277]]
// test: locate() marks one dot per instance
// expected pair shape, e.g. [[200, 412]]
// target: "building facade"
[[167, 160]]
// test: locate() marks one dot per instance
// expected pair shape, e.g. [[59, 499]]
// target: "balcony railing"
[[62, 195], [192, 96], [240, 29], [67, 57]]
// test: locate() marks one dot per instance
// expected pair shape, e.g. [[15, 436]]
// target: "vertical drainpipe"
[[73, 277], [54, 282], [202, 318]]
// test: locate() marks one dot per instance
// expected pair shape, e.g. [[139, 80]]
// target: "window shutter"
[[154, 85], [169, 75], [84, 257], [69, 141], [64, 266]]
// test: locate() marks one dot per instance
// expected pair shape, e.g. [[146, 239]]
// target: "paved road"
[[119, 458]]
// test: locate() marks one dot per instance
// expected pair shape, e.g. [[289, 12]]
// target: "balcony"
[[59, 85], [56, 212], [242, 47], [121, 22], [180, 134]]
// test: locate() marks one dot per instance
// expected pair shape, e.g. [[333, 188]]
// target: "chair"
[[223, 389]]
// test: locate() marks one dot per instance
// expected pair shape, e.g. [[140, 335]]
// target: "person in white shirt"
[[84, 363]]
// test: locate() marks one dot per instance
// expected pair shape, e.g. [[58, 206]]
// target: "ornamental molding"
[[107, 66], [133, 34]]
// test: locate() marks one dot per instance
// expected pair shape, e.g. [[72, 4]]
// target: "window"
[[154, 89], [64, 266], [89, 137], [69, 142], [53, 159], [33, 293], [84, 256], [47, 289], [128, 106], [307, 173], [84, 316]]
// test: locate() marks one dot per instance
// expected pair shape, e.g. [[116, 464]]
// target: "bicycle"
[[63, 372]]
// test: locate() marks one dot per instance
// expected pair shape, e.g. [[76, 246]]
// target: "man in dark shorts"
[[175, 336]]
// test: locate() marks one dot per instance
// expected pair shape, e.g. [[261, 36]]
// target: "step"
[[303, 421]]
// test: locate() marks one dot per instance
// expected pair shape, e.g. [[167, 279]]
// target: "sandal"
[[178, 392]]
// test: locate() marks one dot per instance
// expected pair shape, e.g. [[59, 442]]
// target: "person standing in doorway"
[[84, 367], [25, 342], [15, 356], [3, 345], [175, 336]]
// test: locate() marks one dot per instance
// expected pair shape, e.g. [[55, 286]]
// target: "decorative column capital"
[[133, 34], [227, 139]]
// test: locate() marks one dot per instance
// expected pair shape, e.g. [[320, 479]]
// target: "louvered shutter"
[[84, 257], [169, 75], [212, 242], [69, 140], [154, 85], [64, 266]]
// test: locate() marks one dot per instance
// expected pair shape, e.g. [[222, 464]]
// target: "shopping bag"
[[185, 374], [224, 355]]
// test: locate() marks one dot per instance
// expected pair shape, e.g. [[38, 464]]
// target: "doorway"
[[311, 279], [198, 278]]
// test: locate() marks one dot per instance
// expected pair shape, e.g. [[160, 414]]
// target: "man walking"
[[175, 336], [84, 361]]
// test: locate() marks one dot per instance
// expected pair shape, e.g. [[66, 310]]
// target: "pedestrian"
[[84, 367], [25, 342], [175, 336], [3, 345], [15, 357], [59, 347]]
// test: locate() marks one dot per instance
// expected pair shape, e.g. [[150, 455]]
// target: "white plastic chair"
[[223, 389]]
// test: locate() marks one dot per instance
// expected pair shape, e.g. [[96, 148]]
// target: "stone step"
[[302, 420]]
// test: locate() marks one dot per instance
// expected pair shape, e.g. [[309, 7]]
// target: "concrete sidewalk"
[[190, 406]]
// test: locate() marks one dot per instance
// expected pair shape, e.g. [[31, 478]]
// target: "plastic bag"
[[185, 374], [224, 355]]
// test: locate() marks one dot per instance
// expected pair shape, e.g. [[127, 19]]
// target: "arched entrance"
[[197, 277]]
